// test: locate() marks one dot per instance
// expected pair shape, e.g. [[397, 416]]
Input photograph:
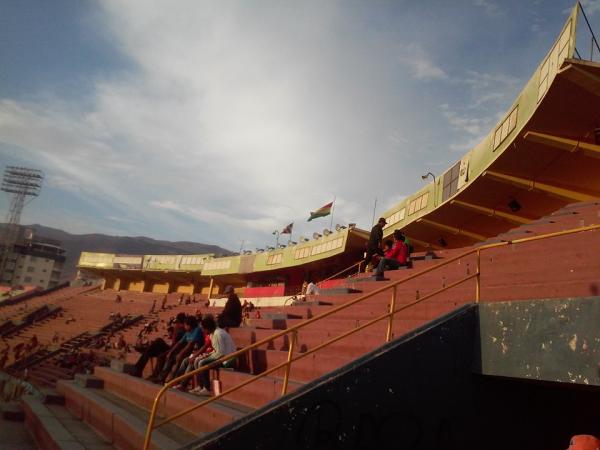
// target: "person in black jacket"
[[374, 244], [231, 316]]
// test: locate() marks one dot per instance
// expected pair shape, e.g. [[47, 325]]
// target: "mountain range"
[[74, 244]]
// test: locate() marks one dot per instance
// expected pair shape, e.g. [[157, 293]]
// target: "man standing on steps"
[[374, 244]]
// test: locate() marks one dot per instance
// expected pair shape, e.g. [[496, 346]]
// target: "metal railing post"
[[478, 279], [292, 347], [388, 336]]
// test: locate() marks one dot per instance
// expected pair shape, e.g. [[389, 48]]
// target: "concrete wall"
[[426, 390], [552, 340], [410, 394]]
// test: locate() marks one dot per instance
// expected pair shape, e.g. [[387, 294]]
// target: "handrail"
[[294, 329], [359, 264]]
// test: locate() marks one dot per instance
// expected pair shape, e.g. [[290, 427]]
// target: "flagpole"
[[332, 209], [374, 208]]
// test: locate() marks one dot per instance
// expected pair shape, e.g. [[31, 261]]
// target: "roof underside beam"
[[492, 212], [453, 230], [425, 244], [582, 78], [532, 185], [568, 145]]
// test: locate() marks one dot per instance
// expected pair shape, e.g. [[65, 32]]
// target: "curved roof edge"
[[476, 161]]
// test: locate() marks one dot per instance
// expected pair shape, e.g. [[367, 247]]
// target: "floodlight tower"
[[21, 182]]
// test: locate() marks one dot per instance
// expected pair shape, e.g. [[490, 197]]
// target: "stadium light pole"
[[424, 177], [20, 182]]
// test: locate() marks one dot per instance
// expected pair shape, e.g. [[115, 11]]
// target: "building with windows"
[[37, 262]]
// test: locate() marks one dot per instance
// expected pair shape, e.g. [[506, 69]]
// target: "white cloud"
[[419, 63], [236, 120], [490, 7]]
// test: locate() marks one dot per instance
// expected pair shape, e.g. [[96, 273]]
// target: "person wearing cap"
[[158, 348], [374, 244], [231, 316]]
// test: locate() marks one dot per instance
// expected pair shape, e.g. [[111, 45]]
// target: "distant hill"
[[74, 244]]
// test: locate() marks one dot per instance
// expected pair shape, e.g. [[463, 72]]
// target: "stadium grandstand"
[[488, 340]]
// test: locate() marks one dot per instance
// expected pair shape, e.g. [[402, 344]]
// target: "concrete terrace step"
[[54, 427], [122, 423], [141, 393]]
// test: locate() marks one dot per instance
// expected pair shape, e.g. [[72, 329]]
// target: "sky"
[[220, 122]]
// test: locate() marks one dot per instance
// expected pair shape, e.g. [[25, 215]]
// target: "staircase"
[[118, 405]]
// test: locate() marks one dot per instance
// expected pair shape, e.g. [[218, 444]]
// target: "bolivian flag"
[[321, 212]]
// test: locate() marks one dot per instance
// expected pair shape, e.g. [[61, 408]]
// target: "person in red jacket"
[[394, 258]]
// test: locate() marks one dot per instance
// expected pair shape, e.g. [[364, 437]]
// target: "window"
[[396, 217], [418, 203], [42, 281], [44, 270], [319, 248], [30, 269], [218, 265], [504, 129], [552, 63], [302, 253], [275, 259], [26, 279], [451, 182]]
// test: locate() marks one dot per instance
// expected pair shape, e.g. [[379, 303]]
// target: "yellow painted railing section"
[[293, 331]]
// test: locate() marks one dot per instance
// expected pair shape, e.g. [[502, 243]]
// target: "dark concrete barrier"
[[552, 340]]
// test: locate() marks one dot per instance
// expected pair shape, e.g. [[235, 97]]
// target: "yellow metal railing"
[[293, 331], [335, 275]]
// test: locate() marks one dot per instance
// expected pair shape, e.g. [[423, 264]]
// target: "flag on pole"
[[288, 229], [321, 212]]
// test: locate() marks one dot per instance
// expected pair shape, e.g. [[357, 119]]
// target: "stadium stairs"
[[436, 341]]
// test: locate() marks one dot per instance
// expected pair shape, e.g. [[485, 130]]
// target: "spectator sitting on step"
[[388, 244], [163, 304], [188, 299], [193, 337], [188, 363], [118, 299], [153, 307], [222, 344], [180, 301], [231, 316], [394, 258], [312, 289], [159, 349], [32, 344], [247, 306], [121, 344]]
